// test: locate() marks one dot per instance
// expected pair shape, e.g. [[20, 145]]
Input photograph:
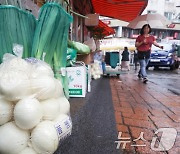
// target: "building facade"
[[168, 8]]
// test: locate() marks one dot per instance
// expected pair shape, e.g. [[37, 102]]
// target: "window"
[[178, 17], [168, 15], [151, 12]]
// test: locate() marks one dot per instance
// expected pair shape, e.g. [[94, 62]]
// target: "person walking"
[[125, 59], [143, 44]]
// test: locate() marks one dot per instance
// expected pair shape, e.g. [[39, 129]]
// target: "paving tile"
[[177, 142], [118, 118], [176, 110], [174, 117], [124, 109], [171, 104], [122, 99], [139, 123], [144, 108], [158, 113], [147, 150], [116, 104], [165, 123], [156, 104], [122, 128], [148, 134], [115, 99], [137, 116], [125, 104]]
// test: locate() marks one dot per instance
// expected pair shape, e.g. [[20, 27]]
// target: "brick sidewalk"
[[144, 108]]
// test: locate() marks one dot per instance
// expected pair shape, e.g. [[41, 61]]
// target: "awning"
[[125, 10], [101, 30], [107, 30]]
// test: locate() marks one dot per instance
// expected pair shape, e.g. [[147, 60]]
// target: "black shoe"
[[145, 80], [139, 76]]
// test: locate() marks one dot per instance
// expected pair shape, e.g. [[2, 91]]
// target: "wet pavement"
[[144, 108], [128, 106], [166, 79], [94, 127]]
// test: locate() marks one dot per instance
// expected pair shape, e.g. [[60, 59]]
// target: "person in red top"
[[143, 44]]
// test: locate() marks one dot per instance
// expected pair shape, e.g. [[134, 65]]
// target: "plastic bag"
[[39, 68], [81, 48], [71, 56], [14, 78], [27, 89]]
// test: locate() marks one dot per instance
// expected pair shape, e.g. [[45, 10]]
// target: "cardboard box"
[[92, 20], [87, 59], [77, 81]]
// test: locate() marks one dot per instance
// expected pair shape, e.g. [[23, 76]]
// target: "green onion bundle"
[[51, 38], [16, 27]]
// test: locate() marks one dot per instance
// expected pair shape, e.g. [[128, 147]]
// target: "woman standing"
[[143, 44]]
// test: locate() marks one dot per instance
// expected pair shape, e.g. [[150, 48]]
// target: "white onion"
[[65, 124], [14, 85], [8, 57], [6, 111], [17, 64], [98, 76], [28, 150], [43, 87], [27, 113], [64, 105], [95, 77], [92, 71], [97, 72], [40, 69], [44, 138], [12, 139], [59, 89], [96, 69], [50, 108]]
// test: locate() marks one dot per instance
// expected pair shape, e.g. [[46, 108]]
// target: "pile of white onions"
[[96, 70], [34, 113]]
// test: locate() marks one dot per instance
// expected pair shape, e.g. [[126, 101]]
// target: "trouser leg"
[[143, 64]]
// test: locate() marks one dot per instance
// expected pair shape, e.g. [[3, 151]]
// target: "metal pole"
[[80, 15]]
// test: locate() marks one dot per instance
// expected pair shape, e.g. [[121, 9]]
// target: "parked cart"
[[112, 63]]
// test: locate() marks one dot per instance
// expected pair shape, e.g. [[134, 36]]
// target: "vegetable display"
[[50, 39], [34, 113], [96, 70], [16, 27]]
